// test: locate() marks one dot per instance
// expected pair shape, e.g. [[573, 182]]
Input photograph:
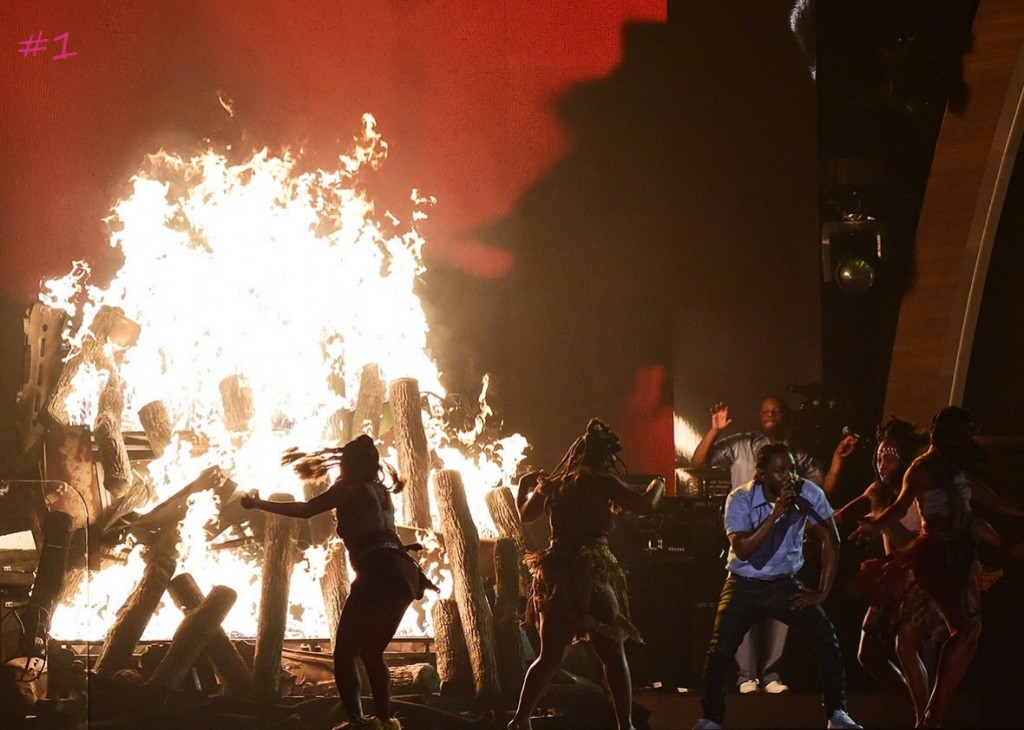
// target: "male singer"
[[765, 521]]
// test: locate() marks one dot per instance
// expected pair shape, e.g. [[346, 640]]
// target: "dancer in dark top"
[[579, 589], [387, 578]]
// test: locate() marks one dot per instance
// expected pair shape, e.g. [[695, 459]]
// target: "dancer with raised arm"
[[387, 578], [943, 560], [579, 589]]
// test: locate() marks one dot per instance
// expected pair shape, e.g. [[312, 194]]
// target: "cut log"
[[335, 584], [413, 451], [109, 324], [67, 458], [137, 610], [231, 668], [138, 494], [157, 425], [239, 407], [462, 543], [414, 679], [501, 504], [49, 583], [44, 329], [193, 637], [106, 431], [369, 402], [507, 631], [278, 561], [450, 648]]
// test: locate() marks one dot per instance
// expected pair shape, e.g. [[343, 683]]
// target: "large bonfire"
[[287, 285]]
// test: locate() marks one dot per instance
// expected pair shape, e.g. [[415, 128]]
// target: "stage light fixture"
[[853, 253]]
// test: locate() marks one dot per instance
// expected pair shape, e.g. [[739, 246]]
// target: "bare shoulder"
[[920, 477]]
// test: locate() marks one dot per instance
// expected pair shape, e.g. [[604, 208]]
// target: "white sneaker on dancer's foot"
[[841, 719], [706, 724], [775, 687], [749, 686]]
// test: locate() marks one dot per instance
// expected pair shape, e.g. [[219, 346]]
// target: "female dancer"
[[387, 578], [901, 623], [942, 560], [579, 589]]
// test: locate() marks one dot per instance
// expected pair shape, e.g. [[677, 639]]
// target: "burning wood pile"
[[95, 479], [152, 405]]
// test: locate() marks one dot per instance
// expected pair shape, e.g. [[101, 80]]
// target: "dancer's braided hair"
[[597, 448], [360, 456]]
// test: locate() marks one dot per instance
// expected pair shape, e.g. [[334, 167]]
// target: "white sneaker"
[[775, 687], [749, 686], [706, 724], [841, 719]]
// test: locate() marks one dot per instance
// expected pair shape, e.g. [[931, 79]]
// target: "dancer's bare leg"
[[956, 656], [556, 634], [908, 646], [379, 636], [616, 675], [873, 654]]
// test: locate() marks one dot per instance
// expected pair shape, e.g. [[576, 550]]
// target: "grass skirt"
[[585, 584]]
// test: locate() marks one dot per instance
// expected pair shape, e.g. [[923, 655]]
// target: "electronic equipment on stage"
[[704, 483]]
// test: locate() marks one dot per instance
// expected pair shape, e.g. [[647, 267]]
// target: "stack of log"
[[480, 646]]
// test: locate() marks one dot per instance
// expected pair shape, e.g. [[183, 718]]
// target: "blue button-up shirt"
[[747, 507], [739, 453]]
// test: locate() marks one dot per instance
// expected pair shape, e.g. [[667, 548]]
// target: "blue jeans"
[[743, 602]]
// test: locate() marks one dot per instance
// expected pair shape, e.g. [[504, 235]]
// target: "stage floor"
[[803, 710]]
